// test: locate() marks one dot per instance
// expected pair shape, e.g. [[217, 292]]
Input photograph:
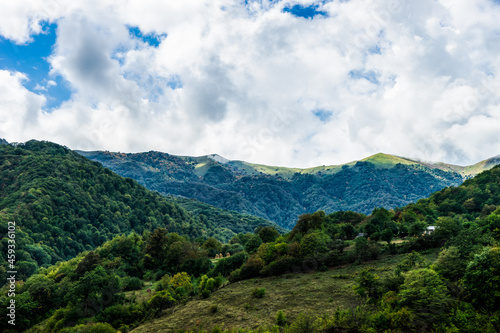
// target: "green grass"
[[318, 292], [388, 161]]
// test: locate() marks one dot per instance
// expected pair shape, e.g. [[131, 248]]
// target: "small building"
[[430, 229], [362, 234]]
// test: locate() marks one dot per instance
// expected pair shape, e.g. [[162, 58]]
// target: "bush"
[[214, 308], [280, 318], [161, 300], [131, 283], [196, 267], [235, 276], [206, 286], [252, 267], [119, 314], [303, 324], [227, 265], [259, 292], [93, 328], [282, 265]]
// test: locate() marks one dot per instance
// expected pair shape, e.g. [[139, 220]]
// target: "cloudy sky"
[[281, 82]]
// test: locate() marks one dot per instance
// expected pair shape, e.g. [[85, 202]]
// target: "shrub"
[[181, 280], [282, 265], [280, 318], [94, 328], [131, 283], [119, 314], [235, 276], [303, 324], [206, 286], [214, 308], [227, 265], [367, 284], [259, 292], [252, 267], [161, 300], [196, 267]]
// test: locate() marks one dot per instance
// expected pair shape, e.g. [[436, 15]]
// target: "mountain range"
[[280, 194], [65, 204]]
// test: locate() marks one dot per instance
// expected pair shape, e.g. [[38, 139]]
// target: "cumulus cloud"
[[249, 80]]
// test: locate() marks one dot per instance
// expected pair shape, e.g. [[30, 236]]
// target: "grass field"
[[233, 306]]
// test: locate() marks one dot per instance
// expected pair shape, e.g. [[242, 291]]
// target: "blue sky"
[[281, 82], [31, 59]]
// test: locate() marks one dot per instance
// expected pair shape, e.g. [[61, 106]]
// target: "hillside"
[[320, 277], [281, 194], [64, 204]]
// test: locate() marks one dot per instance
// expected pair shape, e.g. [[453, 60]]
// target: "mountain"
[[63, 204], [281, 194], [320, 277]]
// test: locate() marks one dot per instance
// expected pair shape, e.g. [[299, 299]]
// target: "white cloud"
[[416, 79], [19, 108]]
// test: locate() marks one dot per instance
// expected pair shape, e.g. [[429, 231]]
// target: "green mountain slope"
[[280, 194], [63, 204], [320, 277]]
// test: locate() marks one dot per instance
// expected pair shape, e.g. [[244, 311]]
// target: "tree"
[[361, 248], [268, 234], [213, 246], [182, 280], [387, 235], [411, 261], [449, 263], [156, 243], [87, 264], [367, 283], [425, 293], [482, 281], [314, 243], [253, 244], [96, 289], [417, 229], [307, 222], [42, 290], [252, 267]]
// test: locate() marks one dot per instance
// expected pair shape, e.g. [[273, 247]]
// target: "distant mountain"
[[280, 194], [63, 204]]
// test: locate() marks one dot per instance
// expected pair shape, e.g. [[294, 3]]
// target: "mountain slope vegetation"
[[322, 276], [64, 204], [281, 194]]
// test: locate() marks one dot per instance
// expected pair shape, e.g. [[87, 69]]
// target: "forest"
[[64, 204], [281, 194], [445, 280]]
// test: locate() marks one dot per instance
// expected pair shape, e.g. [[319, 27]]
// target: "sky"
[[296, 83]]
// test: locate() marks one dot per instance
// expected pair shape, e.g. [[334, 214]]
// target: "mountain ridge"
[[280, 194]]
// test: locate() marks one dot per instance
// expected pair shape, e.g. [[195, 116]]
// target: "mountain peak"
[[386, 160], [218, 158]]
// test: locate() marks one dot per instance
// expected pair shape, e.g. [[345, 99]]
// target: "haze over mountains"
[[280, 194]]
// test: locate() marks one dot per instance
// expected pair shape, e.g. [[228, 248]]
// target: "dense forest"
[[103, 290], [281, 194], [64, 204]]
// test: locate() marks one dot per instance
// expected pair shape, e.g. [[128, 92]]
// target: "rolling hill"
[[281, 194], [64, 204]]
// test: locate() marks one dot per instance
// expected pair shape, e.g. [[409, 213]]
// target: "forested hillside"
[[281, 194], [64, 204], [320, 277]]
